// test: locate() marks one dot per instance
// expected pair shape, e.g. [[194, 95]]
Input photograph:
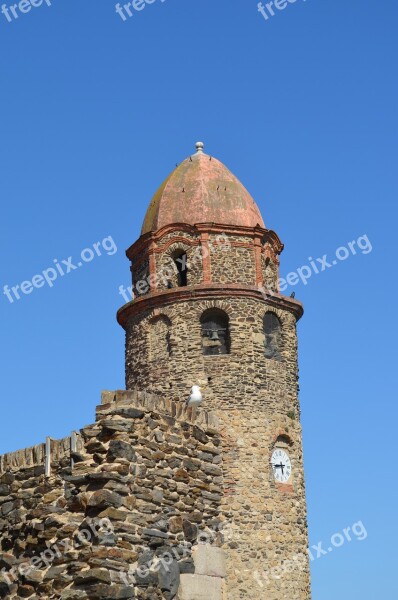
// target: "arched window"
[[273, 336], [215, 332], [181, 264]]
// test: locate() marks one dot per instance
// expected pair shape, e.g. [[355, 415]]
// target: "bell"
[[214, 336]]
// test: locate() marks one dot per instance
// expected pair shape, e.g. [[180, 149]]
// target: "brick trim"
[[266, 235], [204, 240]]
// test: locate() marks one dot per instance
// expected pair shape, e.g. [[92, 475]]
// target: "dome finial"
[[199, 146]]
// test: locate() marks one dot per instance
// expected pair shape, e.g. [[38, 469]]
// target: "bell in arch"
[[214, 336]]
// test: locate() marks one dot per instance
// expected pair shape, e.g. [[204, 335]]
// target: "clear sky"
[[302, 107]]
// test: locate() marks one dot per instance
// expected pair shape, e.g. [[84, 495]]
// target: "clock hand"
[[281, 466]]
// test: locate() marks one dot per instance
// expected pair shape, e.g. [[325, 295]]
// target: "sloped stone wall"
[[144, 490]]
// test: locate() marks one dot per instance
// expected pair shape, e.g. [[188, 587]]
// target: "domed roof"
[[201, 190]]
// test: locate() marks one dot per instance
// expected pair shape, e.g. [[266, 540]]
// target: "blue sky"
[[302, 107]]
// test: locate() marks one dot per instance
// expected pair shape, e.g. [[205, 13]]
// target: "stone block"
[[92, 576], [120, 449], [103, 499], [175, 524], [190, 530], [107, 397], [169, 578], [4, 489], [200, 587], [209, 560]]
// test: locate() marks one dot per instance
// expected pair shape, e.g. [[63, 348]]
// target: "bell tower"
[[207, 310]]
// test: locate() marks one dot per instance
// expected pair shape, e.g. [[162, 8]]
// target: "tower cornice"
[[158, 299], [154, 237]]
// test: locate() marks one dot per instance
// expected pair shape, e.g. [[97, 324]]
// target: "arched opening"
[[215, 332], [283, 441], [273, 336], [181, 264]]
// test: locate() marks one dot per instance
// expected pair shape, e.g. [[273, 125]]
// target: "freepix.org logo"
[[59, 269], [14, 11], [129, 9], [268, 10]]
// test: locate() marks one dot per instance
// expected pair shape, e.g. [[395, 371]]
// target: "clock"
[[281, 465]]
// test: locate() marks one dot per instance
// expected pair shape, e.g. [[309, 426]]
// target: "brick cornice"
[[153, 238], [176, 240], [158, 299]]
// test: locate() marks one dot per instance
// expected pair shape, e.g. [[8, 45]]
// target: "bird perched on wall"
[[196, 398], [293, 295]]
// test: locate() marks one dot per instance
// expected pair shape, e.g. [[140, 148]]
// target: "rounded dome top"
[[201, 190]]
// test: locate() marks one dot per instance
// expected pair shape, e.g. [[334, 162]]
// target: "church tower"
[[207, 311]]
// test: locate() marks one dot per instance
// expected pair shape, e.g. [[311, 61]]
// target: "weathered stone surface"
[[115, 592], [112, 425], [92, 576], [105, 499], [169, 578], [131, 413], [25, 591], [4, 489], [200, 587], [190, 530], [7, 560], [113, 514], [175, 524], [120, 449], [4, 590], [209, 560], [54, 572], [34, 576], [7, 507], [130, 486], [155, 533], [73, 594]]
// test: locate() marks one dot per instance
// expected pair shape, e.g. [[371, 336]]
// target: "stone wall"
[[267, 539], [120, 515], [256, 401], [233, 262], [243, 378], [55, 451], [270, 273]]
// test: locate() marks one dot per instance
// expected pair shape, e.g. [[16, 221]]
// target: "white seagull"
[[196, 398]]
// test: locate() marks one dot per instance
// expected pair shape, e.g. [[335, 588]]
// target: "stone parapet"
[[119, 515], [148, 402], [57, 451]]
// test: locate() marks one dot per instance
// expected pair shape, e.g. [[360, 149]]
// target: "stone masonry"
[[122, 516], [233, 267]]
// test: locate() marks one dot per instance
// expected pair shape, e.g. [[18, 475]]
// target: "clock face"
[[281, 465]]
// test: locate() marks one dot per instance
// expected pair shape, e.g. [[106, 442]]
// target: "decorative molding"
[[266, 235], [222, 291]]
